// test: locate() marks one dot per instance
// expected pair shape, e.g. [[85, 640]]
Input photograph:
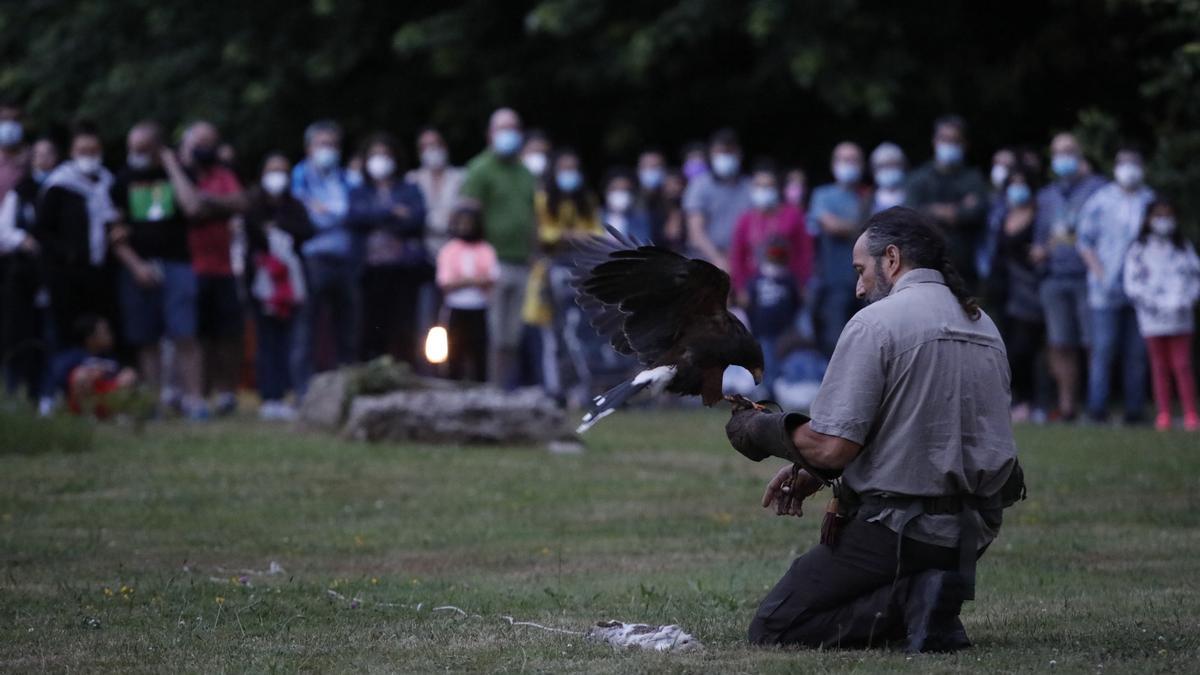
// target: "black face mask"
[[204, 156]]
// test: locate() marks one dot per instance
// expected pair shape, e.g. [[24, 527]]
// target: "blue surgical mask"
[[846, 172], [568, 180], [507, 142], [1018, 194], [326, 157], [889, 176], [10, 133], [650, 177], [948, 154], [1064, 165]]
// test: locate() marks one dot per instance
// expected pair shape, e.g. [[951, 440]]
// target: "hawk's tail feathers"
[[607, 403]]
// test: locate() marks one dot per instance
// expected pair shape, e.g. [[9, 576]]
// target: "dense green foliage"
[[611, 76], [152, 553]]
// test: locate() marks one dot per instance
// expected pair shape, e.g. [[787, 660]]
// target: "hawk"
[[667, 311]]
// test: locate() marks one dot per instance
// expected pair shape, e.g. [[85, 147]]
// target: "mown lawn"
[[151, 552]]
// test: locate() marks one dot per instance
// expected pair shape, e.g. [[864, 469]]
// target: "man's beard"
[[882, 286]]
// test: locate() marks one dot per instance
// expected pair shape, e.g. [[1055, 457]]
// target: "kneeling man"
[[911, 427]]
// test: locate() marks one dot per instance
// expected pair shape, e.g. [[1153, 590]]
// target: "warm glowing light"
[[437, 345]]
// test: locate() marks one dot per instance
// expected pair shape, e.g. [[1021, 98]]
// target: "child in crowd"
[[773, 301], [1162, 279], [466, 269], [87, 374]]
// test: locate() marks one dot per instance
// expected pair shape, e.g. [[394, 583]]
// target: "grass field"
[[150, 553]]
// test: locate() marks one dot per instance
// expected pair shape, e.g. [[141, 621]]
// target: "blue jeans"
[[770, 363], [835, 306], [332, 288], [1115, 334], [273, 356]]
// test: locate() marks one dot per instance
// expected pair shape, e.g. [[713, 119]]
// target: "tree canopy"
[[610, 77]]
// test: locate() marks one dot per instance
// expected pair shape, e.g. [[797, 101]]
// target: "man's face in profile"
[[872, 284]]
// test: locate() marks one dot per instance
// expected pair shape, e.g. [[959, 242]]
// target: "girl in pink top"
[[466, 270], [767, 219]]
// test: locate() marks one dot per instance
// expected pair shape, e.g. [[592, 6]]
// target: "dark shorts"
[[167, 310], [218, 307]]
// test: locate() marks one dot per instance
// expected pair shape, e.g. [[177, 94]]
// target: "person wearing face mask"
[[1162, 280], [953, 194], [22, 294], [651, 176], [1023, 327], [567, 213], [277, 225], [535, 155], [991, 271], [466, 270], [835, 215], [212, 209], [888, 164], [1064, 287], [390, 213], [43, 159], [795, 188], [331, 256], [504, 190], [14, 155], [622, 210], [1109, 222], [769, 219], [156, 284], [713, 201], [440, 183], [74, 212]]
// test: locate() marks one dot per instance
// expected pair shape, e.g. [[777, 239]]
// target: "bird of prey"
[[666, 310]]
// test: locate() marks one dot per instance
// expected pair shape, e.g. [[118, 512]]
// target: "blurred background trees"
[[611, 76]]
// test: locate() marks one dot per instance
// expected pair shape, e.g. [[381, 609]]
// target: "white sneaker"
[[276, 411]]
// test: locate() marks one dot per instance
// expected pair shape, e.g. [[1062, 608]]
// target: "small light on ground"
[[437, 345]]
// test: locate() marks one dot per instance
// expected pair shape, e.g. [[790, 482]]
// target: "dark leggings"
[[1024, 340], [389, 321], [467, 333]]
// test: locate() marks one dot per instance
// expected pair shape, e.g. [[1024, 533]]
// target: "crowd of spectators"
[[164, 270]]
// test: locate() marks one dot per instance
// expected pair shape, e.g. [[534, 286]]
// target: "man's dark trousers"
[[842, 596]]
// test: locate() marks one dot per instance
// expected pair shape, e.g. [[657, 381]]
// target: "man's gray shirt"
[[925, 390]]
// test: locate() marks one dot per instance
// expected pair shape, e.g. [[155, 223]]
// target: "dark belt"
[[964, 506]]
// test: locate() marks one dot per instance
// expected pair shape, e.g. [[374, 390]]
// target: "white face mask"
[[1163, 226], [763, 197], [138, 160], [433, 158], [725, 164], [619, 200], [380, 166], [889, 177], [999, 175], [535, 162], [1128, 175], [275, 182], [88, 164]]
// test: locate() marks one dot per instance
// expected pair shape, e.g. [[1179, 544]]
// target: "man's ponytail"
[[921, 245]]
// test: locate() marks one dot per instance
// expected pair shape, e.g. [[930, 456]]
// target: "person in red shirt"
[[216, 199], [768, 219]]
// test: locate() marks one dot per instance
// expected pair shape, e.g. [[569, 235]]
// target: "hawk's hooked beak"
[[758, 375]]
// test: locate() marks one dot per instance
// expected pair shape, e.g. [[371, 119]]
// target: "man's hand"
[[146, 275], [788, 490]]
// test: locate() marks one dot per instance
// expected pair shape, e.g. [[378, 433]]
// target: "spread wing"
[[644, 298]]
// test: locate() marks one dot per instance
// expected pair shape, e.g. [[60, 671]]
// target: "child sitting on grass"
[[87, 375], [466, 269]]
